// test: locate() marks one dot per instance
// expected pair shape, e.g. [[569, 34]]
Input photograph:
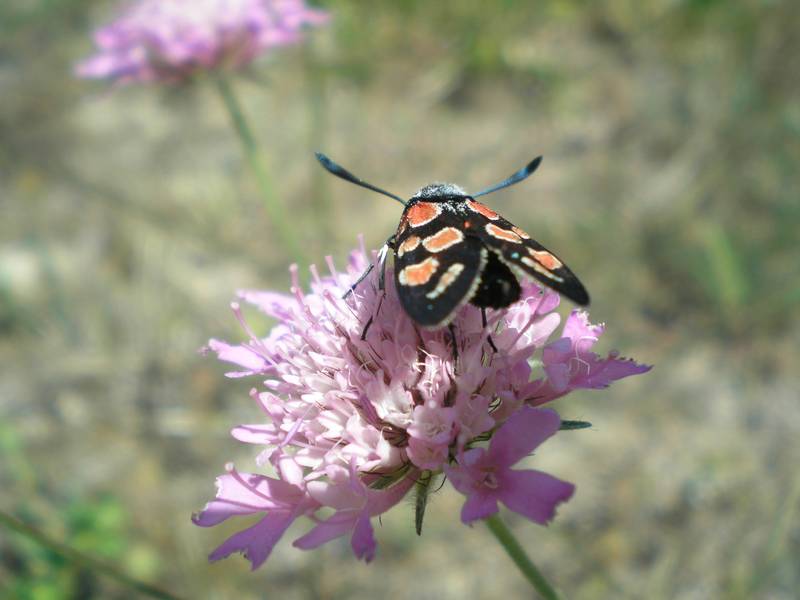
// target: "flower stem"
[[255, 158], [83, 560], [517, 554]]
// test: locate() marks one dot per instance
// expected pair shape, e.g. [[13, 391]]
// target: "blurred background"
[[128, 218]]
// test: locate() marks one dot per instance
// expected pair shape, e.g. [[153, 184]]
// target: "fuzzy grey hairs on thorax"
[[438, 190]]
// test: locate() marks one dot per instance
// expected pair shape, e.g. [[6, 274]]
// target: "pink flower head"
[[171, 40], [354, 415]]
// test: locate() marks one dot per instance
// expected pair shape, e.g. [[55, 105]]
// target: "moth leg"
[[372, 318], [361, 278], [382, 254], [452, 331], [366, 329], [485, 322]]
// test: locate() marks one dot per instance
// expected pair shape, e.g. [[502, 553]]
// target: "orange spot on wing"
[[547, 260], [409, 244], [481, 209], [420, 273], [502, 234], [422, 212], [536, 266], [443, 239]]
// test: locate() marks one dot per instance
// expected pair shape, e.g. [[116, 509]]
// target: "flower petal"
[[478, 506], [276, 305], [240, 355], [524, 431], [582, 333], [256, 542], [245, 494], [331, 528], [601, 373], [363, 540], [534, 494]]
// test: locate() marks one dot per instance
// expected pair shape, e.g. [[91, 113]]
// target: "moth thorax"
[[433, 191]]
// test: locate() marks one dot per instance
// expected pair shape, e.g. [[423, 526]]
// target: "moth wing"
[[437, 269], [523, 254]]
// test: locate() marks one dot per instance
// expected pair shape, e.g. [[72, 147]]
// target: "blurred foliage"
[[97, 526], [17, 15], [670, 133], [93, 526]]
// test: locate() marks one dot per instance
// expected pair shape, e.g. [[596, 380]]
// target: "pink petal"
[[356, 520], [478, 506], [550, 301], [279, 306], [534, 494], [582, 333], [339, 496], [255, 434], [256, 542], [524, 431], [379, 501], [603, 372], [363, 540], [425, 454], [558, 351], [245, 494], [331, 528], [462, 474], [239, 355], [558, 376]]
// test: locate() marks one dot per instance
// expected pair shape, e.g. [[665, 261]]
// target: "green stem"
[[83, 560], [517, 554], [255, 158]]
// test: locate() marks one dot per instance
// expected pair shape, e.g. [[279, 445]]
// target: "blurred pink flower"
[[352, 422], [171, 40]]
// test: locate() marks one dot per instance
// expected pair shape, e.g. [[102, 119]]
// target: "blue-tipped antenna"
[[523, 173], [340, 171]]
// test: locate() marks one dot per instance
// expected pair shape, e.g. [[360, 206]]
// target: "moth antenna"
[[523, 173], [340, 171]]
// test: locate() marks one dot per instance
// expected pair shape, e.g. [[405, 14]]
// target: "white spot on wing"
[[446, 280]]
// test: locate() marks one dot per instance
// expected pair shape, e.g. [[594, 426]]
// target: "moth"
[[449, 249]]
